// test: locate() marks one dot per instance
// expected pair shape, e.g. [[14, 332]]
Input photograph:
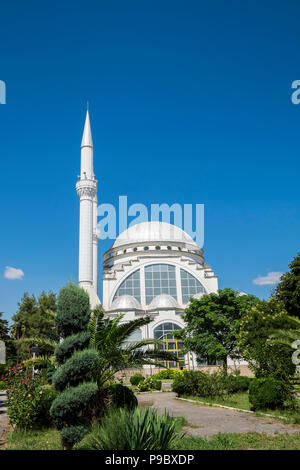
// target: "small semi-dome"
[[126, 302], [153, 232], [163, 301]]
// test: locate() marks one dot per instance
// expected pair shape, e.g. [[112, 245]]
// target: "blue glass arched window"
[[189, 286], [130, 286], [160, 279]]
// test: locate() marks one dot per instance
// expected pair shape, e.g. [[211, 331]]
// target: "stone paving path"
[[4, 426], [210, 420]]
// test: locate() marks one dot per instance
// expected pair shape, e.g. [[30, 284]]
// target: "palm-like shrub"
[[74, 376], [111, 339], [123, 429], [287, 337]]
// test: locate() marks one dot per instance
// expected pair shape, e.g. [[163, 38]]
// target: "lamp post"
[[34, 350]]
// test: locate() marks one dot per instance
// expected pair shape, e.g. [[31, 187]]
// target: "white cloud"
[[272, 277], [13, 273]]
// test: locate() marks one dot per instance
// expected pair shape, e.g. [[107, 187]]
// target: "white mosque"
[[153, 268]]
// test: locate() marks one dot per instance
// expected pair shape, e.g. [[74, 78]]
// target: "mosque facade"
[[152, 268]]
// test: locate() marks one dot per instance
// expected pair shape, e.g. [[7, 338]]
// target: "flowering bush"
[[167, 374], [28, 399], [149, 384]]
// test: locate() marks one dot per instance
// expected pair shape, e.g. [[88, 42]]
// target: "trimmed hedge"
[[72, 343], [75, 369], [121, 396], [203, 384], [73, 400], [136, 379], [167, 374], [237, 383], [74, 377], [267, 393], [73, 310]]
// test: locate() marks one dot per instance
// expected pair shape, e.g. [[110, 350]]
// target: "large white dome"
[[153, 232]]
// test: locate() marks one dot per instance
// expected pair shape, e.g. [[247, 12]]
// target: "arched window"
[[164, 332], [160, 279], [189, 286], [130, 286]]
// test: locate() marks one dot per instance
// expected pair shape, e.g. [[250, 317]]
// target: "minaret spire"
[[86, 189], [87, 140]]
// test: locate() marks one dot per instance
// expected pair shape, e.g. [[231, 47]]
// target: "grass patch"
[[44, 439], [244, 441], [241, 402]]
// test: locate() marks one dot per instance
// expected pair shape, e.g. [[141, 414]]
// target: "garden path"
[[3, 418], [208, 420]]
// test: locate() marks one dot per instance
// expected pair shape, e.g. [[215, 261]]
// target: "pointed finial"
[[87, 105], [87, 140]]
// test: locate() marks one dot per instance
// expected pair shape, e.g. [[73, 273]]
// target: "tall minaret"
[[86, 189]]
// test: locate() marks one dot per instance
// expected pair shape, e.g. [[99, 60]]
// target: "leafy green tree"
[[266, 358], [72, 409], [34, 324], [288, 289], [116, 352], [213, 323]]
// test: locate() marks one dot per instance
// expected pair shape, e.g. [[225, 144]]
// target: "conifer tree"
[[71, 410]]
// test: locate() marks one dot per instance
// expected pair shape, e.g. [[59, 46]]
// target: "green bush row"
[[209, 385]]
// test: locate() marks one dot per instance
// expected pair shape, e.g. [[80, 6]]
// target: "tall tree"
[[74, 378], [288, 289], [35, 321], [265, 356], [213, 323]]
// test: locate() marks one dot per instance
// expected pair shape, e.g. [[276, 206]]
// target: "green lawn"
[[44, 439], [241, 401], [48, 439], [245, 441]]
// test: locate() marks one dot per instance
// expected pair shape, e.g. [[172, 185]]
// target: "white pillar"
[[86, 190], [95, 244]]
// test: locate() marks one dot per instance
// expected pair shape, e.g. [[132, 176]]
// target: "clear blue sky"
[[189, 103]]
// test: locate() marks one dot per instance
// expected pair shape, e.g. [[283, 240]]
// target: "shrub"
[[156, 384], [148, 384], [122, 396], [75, 368], [136, 379], [72, 409], [139, 429], [267, 393], [73, 312], [2, 385], [237, 383], [167, 374], [209, 385], [47, 397], [28, 400], [65, 349]]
